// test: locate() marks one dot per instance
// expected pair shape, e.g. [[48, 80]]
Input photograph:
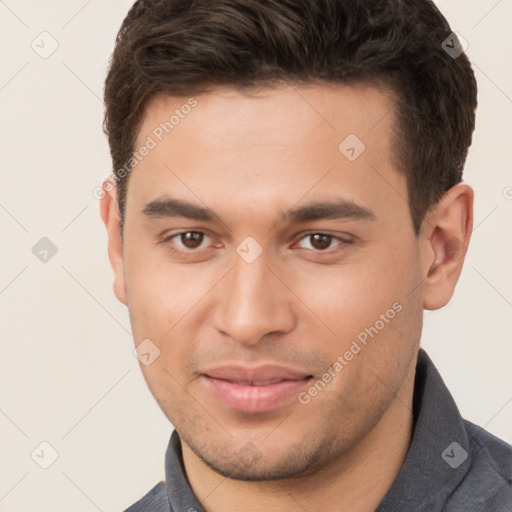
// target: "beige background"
[[68, 376]]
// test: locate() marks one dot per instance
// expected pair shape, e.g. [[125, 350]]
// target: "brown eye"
[[320, 241], [191, 239]]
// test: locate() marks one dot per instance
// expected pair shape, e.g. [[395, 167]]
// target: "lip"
[[254, 390]]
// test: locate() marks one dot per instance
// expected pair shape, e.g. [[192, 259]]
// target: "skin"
[[250, 158]]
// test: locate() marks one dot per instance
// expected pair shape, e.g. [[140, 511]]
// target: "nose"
[[253, 302]]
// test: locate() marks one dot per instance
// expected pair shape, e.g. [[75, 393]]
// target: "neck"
[[358, 482]]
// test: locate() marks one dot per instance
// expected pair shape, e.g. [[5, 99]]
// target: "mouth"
[[258, 383], [254, 390]]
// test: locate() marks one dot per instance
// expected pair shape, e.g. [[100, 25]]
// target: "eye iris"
[[320, 241], [191, 239]]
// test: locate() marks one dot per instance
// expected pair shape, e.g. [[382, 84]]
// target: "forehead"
[[268, 146], [289, 111]]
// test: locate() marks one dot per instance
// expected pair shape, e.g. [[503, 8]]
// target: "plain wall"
[[68, 375]]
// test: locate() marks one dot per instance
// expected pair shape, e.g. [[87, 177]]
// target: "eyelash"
[[168, 240]]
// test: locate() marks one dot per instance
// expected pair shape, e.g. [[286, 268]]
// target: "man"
[[287, 199]]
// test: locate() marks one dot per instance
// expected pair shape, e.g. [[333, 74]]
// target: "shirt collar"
[[181, 496], [439, 454]]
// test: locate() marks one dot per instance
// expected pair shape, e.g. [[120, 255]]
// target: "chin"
[[253, 463]]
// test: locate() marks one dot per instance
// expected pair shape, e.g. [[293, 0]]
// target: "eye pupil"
[[191, 239], [320, 241]]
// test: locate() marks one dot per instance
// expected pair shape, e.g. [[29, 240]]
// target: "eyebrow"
[[168, 207], [335, 209]]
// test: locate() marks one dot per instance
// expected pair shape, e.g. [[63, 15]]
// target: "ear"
[[446, 230], [111, 219]]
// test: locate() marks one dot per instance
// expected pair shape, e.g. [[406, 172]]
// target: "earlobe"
[[448, 230], [111, 219]]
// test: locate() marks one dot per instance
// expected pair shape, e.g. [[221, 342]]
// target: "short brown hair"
[[183, 46]]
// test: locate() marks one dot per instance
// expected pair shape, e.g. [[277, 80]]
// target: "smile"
[[256, 390]]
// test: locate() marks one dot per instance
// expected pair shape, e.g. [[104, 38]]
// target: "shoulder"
[[487, 485], [155, 500]]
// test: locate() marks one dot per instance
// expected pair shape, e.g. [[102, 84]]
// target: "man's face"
[[252, 308]]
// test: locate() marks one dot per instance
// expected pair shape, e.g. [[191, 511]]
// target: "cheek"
[[374, 313], [161, 294], [348, 298]]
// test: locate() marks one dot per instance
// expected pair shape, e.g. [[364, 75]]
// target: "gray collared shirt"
[[452, 465]]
